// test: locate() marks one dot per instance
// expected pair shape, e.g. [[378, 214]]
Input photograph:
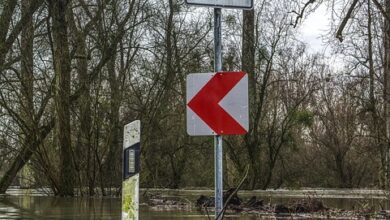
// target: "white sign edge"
[[221, 6]]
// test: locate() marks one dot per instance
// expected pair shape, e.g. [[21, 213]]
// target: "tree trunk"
[[84, 152], [19, 162], [26, 102], [112, 163], [248, 66], [27, 80], [386, 98], [27, 74], [6, 16], [376, 128], [5, 21], [7, 37], [62, 67], [342, 179], [85, 113]]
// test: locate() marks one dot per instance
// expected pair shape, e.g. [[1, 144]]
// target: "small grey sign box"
[[238, 4]]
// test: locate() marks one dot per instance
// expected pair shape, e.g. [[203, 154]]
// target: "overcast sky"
[[315, 25]]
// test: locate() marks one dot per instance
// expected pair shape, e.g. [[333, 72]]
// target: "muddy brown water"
[[36, 206]]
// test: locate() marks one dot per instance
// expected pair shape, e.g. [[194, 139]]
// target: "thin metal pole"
[[218, 139], [218, 176]]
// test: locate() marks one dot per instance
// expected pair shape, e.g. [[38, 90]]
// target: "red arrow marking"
[[205, 103]]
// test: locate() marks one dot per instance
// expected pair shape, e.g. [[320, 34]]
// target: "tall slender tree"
[[248, 66], [26, 102], [62, 69], [386, 72]]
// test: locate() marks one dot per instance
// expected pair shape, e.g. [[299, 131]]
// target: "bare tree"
[[62, 68], [27, 117]]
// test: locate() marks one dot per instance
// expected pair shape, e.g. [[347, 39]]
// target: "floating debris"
[[308, 208]]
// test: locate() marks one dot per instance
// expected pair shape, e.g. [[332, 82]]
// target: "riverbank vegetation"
[[250, 204], [74, 72]]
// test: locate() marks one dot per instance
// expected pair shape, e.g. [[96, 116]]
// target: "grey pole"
[[218, 139]]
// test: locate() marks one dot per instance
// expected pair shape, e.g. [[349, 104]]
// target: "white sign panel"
[[243, 4], [217, 104]]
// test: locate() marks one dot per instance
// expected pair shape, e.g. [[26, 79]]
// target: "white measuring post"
[[131, 169]]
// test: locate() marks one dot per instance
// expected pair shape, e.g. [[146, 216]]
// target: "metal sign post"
[[194, 101], [218, 138]]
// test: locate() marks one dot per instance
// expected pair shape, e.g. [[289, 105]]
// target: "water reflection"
[[41, 207], [27, 207], [46, 207]]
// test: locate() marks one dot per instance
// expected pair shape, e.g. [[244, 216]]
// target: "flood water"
[[43, 207], [37, 206]]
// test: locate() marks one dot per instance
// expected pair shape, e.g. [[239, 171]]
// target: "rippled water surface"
[[21, 206], [43, 207]]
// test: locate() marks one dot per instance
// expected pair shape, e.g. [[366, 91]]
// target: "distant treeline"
[[74, 72]]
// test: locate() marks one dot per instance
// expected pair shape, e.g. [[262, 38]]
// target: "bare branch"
[[7, 44], [302, 12], [381, 9], [339, 33]]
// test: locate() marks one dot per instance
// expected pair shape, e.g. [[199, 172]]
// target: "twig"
[[207, 212], [234, 193]]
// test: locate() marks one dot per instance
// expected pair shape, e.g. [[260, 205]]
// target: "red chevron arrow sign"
[[217, 103]]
